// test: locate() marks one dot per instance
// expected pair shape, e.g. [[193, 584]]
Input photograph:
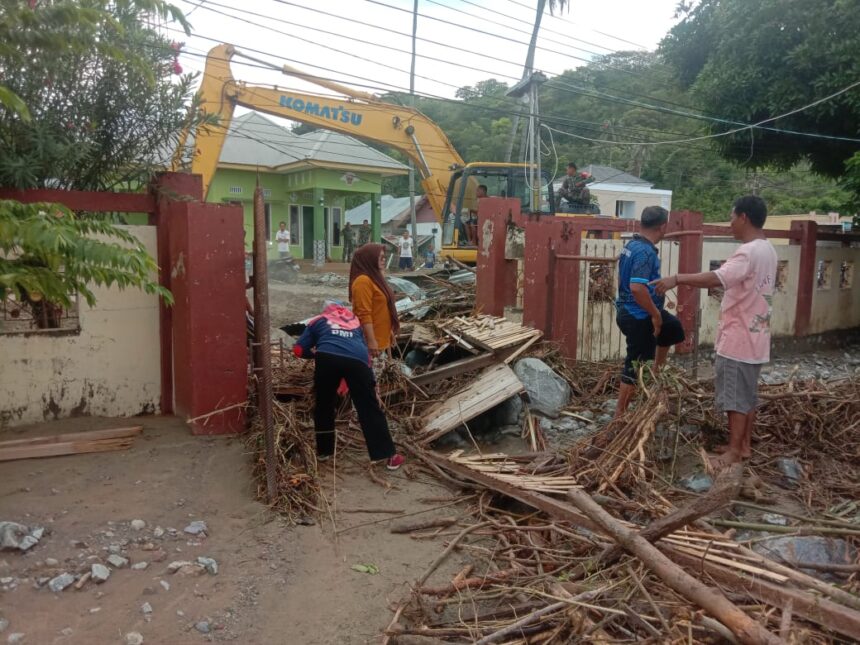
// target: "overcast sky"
[[328, 39]]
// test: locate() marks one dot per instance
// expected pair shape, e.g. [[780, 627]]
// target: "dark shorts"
[[736, 385], [405, 263], [641, 342]]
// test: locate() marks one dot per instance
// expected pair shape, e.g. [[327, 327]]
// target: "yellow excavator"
[[450, 184]]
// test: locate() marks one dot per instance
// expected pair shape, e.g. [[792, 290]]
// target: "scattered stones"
[[138, 525], [775, 519], [134, 638], [202, 626], [197, 527], [158, 532], [66, 632], [186, 568], [210, 565], [16, 637], [95, 610], [14, 536], [807, 548], [4, 625], [83, 580], [61, 582], [791, 469], [116, 549], [52, 562], [146, 608], [140, 566], [100, 573], [548, 392], [698, 482], [610, 405], [164, 584], [117, 561]]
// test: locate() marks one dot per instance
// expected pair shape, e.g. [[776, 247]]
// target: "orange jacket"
[[371, 307]]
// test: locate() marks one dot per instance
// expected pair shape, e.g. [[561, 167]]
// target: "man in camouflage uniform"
[[364, 233], [574, 190], [348, 242]]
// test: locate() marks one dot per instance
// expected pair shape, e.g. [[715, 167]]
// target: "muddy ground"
[[275, 583]]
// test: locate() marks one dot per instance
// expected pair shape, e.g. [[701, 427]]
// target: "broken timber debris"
[[73, 443]]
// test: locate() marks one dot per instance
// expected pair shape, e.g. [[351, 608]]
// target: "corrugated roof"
[[254, 140], [610, 175], [391, 208]]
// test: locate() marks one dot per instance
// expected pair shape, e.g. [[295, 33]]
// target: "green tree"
[[92, 98], [752, 61]]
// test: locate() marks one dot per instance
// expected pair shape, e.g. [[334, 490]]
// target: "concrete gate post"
[[496, 285]]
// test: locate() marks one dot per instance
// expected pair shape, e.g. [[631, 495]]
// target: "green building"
[[305, 180]]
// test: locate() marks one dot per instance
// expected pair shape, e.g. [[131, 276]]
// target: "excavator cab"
[[460, 228]]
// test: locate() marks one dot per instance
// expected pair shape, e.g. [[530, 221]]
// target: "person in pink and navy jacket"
[[336, 343]]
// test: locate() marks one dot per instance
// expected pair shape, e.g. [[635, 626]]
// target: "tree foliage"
[[751, 61], [91, 97], [100, 86]]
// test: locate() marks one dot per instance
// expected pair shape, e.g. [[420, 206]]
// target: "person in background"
[[649, 329], [335, 341], [472, 224], [282, 237], [348, 242], [743, 334], [372, 299], [364, 233], [430, 256], [404, 247], [574, 191]]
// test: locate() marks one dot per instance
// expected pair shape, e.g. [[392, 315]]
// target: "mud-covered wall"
[[111, 367]]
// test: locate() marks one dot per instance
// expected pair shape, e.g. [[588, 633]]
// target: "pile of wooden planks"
[[488, 333], [73, 443], [493, 386]]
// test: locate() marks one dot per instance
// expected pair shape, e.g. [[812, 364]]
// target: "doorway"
[[307, 232]]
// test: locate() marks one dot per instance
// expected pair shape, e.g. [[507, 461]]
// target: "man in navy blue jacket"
[[649, 329]]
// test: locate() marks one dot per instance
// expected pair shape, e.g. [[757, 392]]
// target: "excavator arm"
[[358, 114]]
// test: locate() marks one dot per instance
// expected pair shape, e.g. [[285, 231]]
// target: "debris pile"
[[598, 541]]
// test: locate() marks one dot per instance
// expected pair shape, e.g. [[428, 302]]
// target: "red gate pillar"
[[496, 277], [207, 278], [167, 187], [551, 284], [689, 230], [808, 234]]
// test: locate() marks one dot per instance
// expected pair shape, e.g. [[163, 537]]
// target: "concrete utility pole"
[[412, 215], [527, 70], [531, 87]]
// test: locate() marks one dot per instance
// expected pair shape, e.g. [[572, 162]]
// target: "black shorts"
[[405, 263], [641, 342]]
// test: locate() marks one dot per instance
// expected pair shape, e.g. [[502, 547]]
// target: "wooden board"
[[58, 449], [89, 435], [493, 386]]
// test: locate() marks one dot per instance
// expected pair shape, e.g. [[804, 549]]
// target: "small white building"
[[621, 194]]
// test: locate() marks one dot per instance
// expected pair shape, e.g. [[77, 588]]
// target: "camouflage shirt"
[[364, 234], [573, 189]]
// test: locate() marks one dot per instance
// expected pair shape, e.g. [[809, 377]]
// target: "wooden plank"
[[494, 385], [64, 448], [89, 435], [455, 368]]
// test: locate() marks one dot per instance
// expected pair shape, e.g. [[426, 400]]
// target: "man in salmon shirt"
[[743, 335]]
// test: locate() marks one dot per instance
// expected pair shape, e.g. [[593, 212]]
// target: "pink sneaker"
[[395, 462]]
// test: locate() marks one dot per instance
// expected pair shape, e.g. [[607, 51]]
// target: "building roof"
[[610, 175], [254, 140]]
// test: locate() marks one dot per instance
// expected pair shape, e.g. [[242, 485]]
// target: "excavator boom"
[[357, 114]]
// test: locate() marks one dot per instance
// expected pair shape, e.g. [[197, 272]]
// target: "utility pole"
[[412, 216], [531, 86], [527, 70]]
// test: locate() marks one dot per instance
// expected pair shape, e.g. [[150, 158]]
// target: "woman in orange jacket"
[[372, 299]]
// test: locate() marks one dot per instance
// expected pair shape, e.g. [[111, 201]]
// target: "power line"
[[736, 130]]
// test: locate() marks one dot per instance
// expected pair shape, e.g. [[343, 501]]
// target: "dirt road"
[[275, 584]]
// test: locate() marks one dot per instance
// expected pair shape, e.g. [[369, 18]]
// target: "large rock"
[[548, 392], [807, 548]]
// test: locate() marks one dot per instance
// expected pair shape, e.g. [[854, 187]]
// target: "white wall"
[[111, 367], [836, 307], [607, 194]]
